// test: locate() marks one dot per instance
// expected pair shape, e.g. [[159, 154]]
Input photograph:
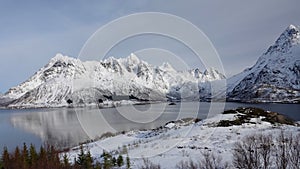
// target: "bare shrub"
[[186, 165], [149, 165], [253, 152], [211, 161], [288, 151], [184, 153], [281, 159], [246, 154], [208, 161], [294, 153], [265, 151], [181, 165], [192, 165]]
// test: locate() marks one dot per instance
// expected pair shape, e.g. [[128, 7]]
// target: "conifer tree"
[[17, 158], [42, 158], [127, 162], [66, 163], [97, 165], [106, 162], [114, 161], [25, 157], [81, 157], [33, 156], [5, 158], [120, 161], [88, 161]]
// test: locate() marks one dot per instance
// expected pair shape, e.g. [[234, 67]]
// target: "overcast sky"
[[32, 32]]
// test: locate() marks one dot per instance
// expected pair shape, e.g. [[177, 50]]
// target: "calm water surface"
[[65, 127]]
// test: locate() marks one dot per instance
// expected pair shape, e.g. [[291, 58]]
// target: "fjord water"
[[66, 127]]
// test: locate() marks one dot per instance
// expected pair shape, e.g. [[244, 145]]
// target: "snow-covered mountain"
[[66, 80], [276, 75]]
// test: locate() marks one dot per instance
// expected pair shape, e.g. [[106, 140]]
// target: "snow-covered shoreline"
[[183, 141], [105, 104], [110, 104]]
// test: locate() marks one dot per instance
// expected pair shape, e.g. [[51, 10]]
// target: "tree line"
[[49, 157]]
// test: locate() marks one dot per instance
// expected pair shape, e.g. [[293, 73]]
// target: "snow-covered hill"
[[65, 80], [276, 75], [186, 140]]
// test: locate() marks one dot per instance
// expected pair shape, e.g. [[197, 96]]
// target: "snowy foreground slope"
[[276, 75], [65, 79], [185, 140]]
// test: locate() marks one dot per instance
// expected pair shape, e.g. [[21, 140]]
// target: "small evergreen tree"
[[106, 163], [17, 158], [97, 165], [81, 157], [127, 162], [54, 158], [66, 161], [114, 161], [25, 157], [33, 156], [107, 160], [42, 162], [88, 161], [5, 158], [120, 161]]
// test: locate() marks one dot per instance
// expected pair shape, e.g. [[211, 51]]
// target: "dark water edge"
[[66, 127], [288, 109]]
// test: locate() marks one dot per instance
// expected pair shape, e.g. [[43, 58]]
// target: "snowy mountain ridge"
[[65, 79], [276, 75]]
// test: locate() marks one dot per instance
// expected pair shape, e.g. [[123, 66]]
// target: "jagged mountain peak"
[[275, 76], [133, 58], [167, 67], [65, 78], [290, 37], [291, 34], [62, 58], [292, 27], [130, 60], [210, 70], [214, 73], [58, 56]]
